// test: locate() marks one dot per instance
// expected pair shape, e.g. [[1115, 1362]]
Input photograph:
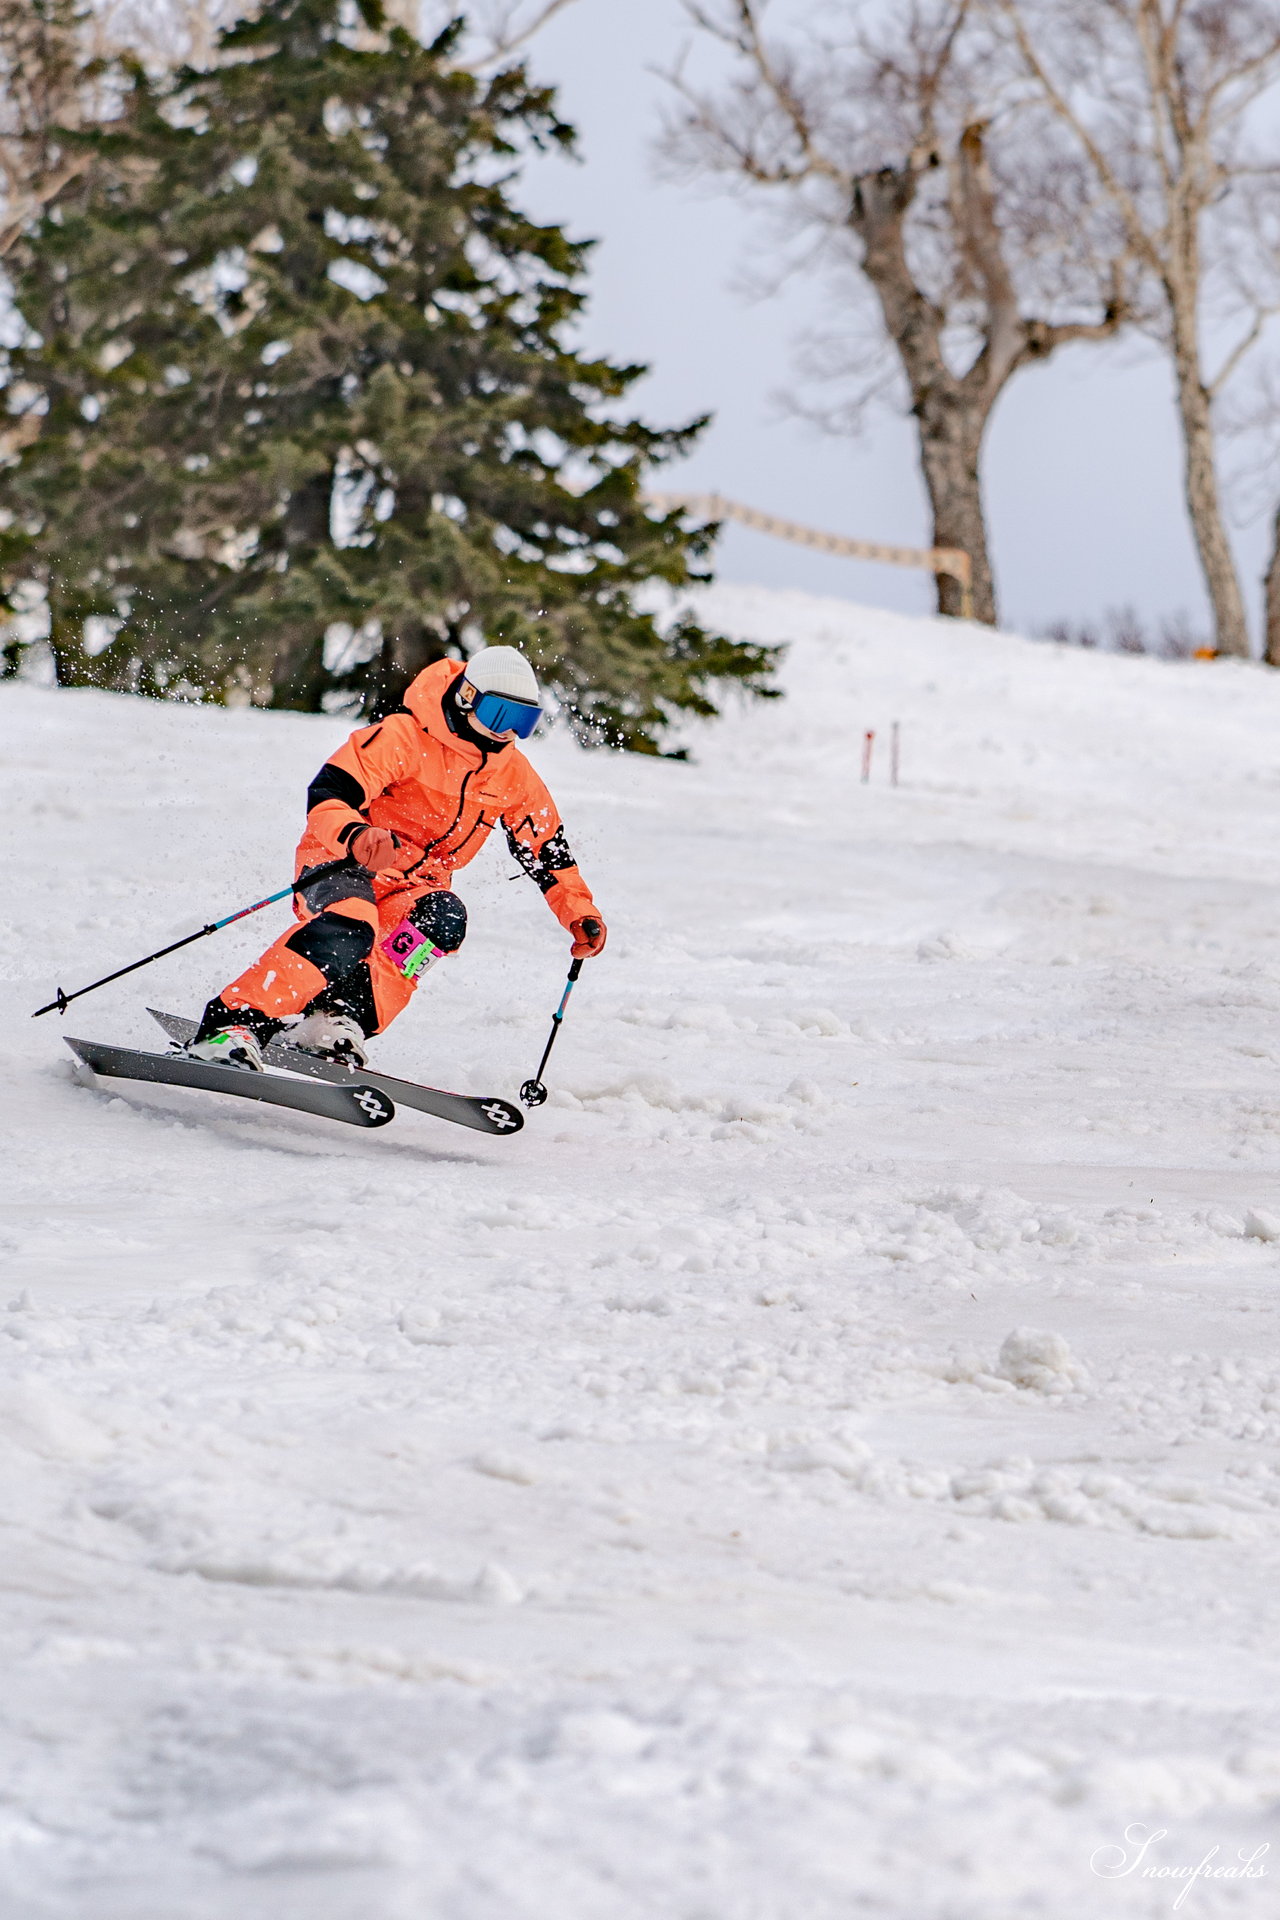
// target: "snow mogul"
[[405, 802]]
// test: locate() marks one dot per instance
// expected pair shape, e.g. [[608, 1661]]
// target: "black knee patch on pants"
[[442, 918], [352, 884], [333, 943]]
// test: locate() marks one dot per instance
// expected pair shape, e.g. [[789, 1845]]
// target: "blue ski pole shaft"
[[558, 1015], [533, 1093], [63, 1000]]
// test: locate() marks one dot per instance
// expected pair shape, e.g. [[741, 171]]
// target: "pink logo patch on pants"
[[409, 951]]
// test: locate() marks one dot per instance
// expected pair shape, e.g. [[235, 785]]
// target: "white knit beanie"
[[502, 670]]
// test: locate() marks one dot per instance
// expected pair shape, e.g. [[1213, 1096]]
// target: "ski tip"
[[374, 1104]]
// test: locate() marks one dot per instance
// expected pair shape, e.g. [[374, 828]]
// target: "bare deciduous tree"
[[508, 26], [53, 54], [1158, 97], [494, 30], [42, 88], [1271, 602], [1260, 418], [184, 32], [163, 33], [888, 137], [59, 72], [56, 77]]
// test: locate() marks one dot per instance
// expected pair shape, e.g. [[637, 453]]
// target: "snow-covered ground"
[[827, 1465]]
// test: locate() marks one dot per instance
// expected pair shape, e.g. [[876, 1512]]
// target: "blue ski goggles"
[[501, 714]]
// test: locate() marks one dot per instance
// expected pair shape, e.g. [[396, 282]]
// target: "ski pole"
[[63, 1000], [533, 1093]]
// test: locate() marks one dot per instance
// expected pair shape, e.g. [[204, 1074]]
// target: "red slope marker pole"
[[868, 743]]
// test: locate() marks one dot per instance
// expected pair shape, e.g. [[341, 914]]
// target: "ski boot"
[[231, 1037], [228, 1047], [330, 1036]]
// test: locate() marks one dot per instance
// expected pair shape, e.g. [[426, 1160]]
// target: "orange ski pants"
[[362, 944]]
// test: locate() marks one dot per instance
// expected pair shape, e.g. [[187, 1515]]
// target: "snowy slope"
[[828, 1464]]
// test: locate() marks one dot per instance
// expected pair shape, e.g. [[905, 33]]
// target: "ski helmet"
[[506, 691], [503, 670]]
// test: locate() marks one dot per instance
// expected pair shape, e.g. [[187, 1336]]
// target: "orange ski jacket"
[[413, 774]]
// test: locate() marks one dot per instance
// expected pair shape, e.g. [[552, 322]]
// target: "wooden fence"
[[713, 506]]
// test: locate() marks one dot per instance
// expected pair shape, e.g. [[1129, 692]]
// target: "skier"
[[407, 801]]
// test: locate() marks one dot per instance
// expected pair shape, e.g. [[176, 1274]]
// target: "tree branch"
[[39, 195], [979, 237], [1164, 93], [785, 96], [1253, 69], [740, 152], [508, 43], [1241, 348], [1139, 239]]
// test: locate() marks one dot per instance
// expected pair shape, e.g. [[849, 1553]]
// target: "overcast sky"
[[1083, 466]]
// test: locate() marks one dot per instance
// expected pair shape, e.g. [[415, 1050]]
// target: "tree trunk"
[[950, 455], [71, 665], [306, 515], [1204, 503], [298, 678], [405, 652], [1271, 638], [951, 413], [292, 658]]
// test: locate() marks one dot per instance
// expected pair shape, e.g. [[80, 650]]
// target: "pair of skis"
[[359, 1098]]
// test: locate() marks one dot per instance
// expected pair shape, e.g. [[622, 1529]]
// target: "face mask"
[[501, 714]]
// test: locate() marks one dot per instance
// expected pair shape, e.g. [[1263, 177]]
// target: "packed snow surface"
[[827, 1464]]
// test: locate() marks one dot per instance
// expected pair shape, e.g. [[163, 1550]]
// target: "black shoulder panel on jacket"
[[335, 783]]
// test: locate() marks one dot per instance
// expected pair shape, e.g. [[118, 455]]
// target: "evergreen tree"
[[305, 371]]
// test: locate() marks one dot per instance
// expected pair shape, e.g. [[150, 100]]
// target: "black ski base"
[[486, 1114], [356, 1104]]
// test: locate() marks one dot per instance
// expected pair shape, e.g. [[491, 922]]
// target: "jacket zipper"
[[462, 801]]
